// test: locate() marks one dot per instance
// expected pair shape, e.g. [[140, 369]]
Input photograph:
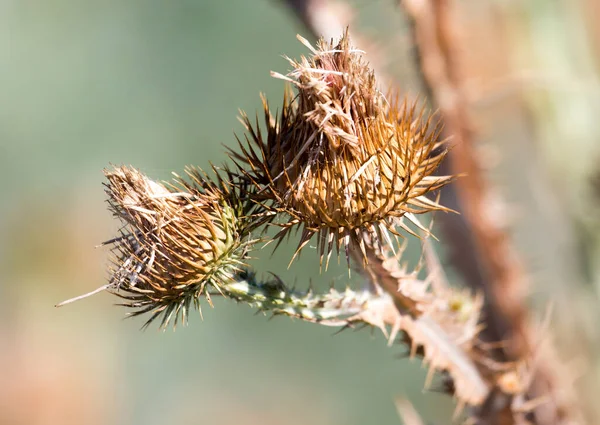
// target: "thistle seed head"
[[177, 240], [341, 158]]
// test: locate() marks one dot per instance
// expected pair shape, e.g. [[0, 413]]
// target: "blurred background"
[[158, 85]]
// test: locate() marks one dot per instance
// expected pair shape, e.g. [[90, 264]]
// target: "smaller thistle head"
[[342, 159], [178, 240]]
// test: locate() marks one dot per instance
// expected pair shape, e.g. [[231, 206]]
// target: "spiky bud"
[[177, 240], [341, 158]]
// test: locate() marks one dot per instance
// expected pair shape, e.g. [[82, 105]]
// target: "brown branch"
[[503, 281], [503, 278]]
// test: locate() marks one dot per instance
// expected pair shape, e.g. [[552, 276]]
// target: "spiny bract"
[[341, 159], [176, 240]]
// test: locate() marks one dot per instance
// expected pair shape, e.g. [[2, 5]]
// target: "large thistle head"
[[178, 240], [341, 158]]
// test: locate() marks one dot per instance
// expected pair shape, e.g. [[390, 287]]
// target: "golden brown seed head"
[[342, 159], [176, 240]]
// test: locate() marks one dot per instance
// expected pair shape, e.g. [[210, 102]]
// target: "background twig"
[[503, 277]]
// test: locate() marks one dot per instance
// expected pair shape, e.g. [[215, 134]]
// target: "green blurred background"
[[158, 84]]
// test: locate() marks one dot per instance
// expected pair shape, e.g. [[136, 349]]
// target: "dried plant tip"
[[337, 92], [342, 159], [176, 241]]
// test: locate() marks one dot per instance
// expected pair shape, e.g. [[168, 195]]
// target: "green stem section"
[[333, 307]]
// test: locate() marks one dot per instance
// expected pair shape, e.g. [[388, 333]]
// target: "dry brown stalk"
[[504, 283], [436, 38]]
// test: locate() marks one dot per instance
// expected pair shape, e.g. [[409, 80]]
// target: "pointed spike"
[[429, 377]]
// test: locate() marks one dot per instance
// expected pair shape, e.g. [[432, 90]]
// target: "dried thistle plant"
[[340, 161], [341, 158]]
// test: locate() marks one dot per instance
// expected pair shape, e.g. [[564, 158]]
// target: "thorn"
[[80, 297], [394, 333], [210, 303], [429, 377], [343, 328], [413, 350], [460, 406]]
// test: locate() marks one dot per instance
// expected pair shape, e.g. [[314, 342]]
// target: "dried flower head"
[[341, 158], [177, 240]]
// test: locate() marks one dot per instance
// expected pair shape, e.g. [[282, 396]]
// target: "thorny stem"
[[383, 275], [429, 334], [332, 308]]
